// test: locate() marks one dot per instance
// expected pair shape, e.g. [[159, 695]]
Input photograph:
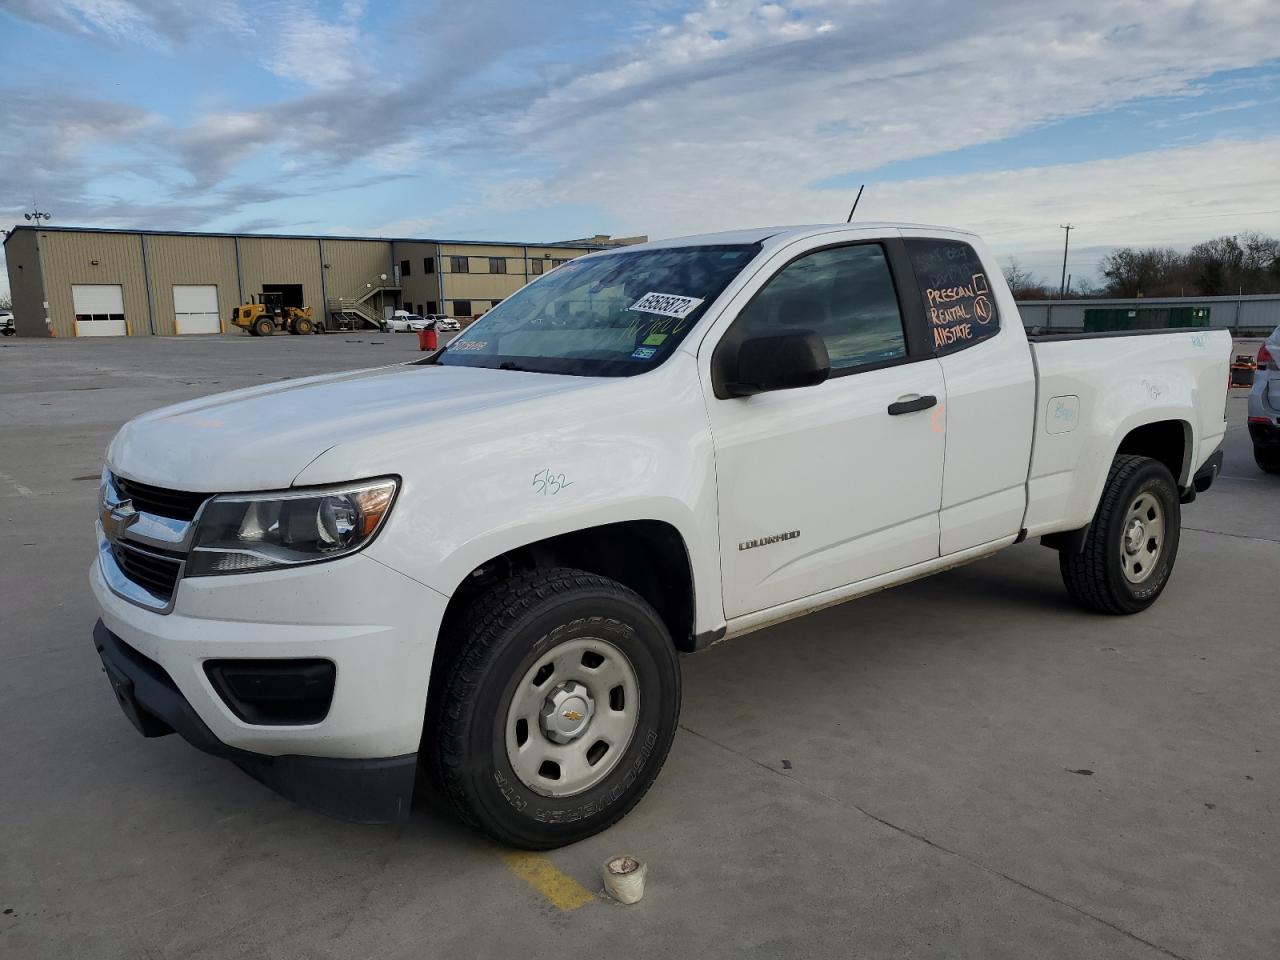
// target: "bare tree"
[[1153, 272], [1023, 284], [1245, 263]]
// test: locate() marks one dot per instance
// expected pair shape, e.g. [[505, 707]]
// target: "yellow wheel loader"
[[266, 314]]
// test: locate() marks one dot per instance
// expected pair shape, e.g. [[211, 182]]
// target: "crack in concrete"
[[1238, 536], [940, 847]]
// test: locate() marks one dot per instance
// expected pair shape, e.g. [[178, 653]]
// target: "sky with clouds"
[[1139, 121]]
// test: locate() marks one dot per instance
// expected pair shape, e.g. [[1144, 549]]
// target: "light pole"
[[1066, 242], [37, 215]]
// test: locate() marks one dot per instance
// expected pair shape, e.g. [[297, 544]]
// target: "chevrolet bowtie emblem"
[[116, 517], [573, 716]]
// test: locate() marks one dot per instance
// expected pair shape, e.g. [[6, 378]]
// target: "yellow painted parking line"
[[540, 873]]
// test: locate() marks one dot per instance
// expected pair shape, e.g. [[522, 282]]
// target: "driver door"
[[823, 486]]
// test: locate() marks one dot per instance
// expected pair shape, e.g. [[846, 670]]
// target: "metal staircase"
[[357, 312], [346, 312]]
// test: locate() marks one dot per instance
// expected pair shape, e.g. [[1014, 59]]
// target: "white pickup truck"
[[485, 562]]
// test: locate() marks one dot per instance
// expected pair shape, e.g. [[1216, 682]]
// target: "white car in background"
[[7, 327], [444, 322], [404, 322]]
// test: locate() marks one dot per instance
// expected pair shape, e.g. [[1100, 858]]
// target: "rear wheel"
[[1129, 552], [264, 327], [1267, 458], [558, 702]]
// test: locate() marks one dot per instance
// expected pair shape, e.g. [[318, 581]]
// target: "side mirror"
[[769, 362]]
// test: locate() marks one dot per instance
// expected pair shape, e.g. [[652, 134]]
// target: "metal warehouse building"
[[83, 282]]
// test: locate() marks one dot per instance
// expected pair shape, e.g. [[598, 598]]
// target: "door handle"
[[911, 406]]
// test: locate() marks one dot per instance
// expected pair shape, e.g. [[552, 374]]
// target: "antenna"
[[855, 203]]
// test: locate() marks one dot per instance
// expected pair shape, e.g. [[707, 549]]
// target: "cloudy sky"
[[1140, 121]]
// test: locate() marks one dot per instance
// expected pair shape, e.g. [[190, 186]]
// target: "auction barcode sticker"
[[666, 304]]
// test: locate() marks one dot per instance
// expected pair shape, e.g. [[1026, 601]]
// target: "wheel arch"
[[1169, 441], [1168, 438], [648, 556]]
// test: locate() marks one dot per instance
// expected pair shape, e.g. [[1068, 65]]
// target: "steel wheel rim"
[[587, 677], [1142, 538]]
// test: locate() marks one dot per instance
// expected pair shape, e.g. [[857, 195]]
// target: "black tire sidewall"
[[1267, 458], [528, 818], [1151, 478]]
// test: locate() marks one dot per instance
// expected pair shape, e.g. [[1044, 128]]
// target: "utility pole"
[[1066, 242]]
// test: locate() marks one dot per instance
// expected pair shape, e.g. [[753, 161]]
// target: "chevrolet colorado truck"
[[648, 450]]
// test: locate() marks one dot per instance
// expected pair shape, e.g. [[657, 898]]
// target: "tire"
[[1118, 572], [320, 327], [9, 331], [1267, 458], [302, 326], [493, 679], [264, 327]]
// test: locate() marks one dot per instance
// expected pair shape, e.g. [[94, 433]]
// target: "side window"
[[844, 294], [958, 304]]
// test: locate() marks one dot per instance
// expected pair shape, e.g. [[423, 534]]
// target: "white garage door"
[[99, 309], [196, 308]]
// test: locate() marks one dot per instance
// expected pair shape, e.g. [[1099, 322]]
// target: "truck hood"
[[261, 438]]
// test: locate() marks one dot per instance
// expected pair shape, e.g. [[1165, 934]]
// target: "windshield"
[[604, 316]]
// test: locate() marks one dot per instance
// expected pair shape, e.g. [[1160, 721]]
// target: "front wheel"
[[1131, 545], [1267, 458], [557, 706], [264, 328], [302, 326]]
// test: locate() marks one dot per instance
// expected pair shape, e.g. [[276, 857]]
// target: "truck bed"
[[1093, 389]]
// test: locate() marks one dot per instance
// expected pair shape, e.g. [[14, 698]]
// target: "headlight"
[[239, 534]]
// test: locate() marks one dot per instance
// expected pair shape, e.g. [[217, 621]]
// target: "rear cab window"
[[955, 292]]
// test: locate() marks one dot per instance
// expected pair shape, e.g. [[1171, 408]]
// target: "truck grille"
[[175, 504], [156, 573]]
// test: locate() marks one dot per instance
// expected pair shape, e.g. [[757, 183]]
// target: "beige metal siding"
[[191, 260], [482, 287], [67, 259], [271, 260], [25, 287], [419, 288], [352, 264]]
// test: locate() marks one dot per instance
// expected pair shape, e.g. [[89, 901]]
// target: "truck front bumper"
[[365, 791], [375, 626]]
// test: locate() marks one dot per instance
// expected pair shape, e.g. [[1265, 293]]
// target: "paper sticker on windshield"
[[644, 353], [667, 304]]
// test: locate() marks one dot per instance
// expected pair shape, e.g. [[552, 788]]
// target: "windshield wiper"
[[508, 365]]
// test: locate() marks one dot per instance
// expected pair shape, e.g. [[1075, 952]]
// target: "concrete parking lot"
[[967, 766]]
